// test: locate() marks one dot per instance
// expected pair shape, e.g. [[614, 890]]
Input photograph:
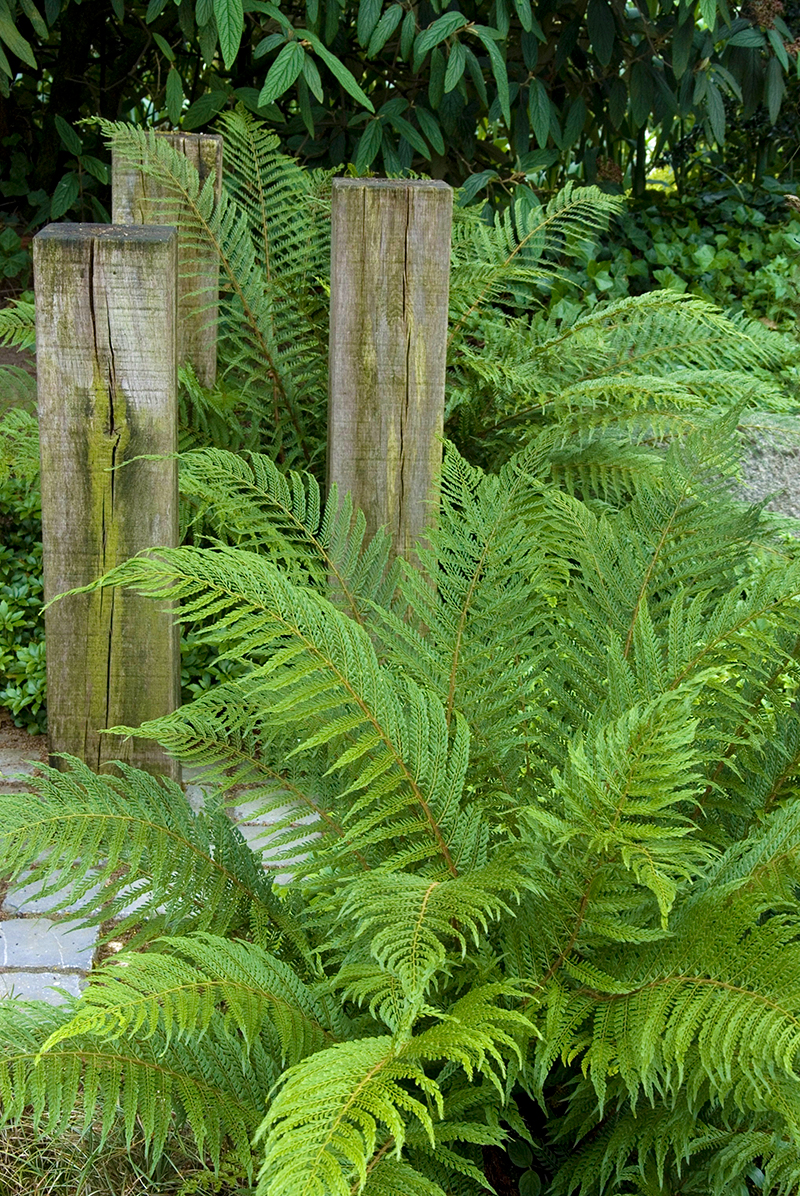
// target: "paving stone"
[[13, 762], [23, 899], [40, 943], [37, 986]]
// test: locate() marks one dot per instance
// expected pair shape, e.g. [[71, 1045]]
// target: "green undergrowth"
[[738, 246]]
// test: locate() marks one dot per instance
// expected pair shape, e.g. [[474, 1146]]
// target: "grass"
[[75, 1164]]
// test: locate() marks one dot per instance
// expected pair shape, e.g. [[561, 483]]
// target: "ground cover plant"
[[737, 245], [549, 886]]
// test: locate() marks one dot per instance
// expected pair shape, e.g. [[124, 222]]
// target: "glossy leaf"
[[230, 26]]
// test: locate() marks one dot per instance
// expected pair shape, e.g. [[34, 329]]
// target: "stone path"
[[39, 953]]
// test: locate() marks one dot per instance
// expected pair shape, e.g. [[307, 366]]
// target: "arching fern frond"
[[200, 981], [113, 845], [260, 506], [146, 1079]]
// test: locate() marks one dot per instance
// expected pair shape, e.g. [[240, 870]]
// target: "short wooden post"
[[390, 263], [138, 199], [106, 366]]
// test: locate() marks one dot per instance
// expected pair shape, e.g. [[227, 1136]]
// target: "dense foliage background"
[[493, 94]]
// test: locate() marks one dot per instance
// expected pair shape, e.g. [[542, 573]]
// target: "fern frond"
[[201, 979], [282, 513], [19, 444], [18, 324], [110, 845], [388, 739], [518, 248], [322, 1127], [273, 343], [144, 1081], [409, 920], [322, 1130]]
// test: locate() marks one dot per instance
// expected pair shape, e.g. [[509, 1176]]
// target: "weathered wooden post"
[[138, 199], [390, 265], [106, 366]]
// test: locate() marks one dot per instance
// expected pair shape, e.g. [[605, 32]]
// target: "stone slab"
[[40, 943], [38, 986], [23, 899]]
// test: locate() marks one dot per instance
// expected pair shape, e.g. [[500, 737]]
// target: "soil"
[[16, 739]]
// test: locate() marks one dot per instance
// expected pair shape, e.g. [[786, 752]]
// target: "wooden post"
[[390, 264], [106, 366], [138, 199]]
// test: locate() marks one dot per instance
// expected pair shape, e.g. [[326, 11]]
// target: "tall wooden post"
[[139, 199], [106, 366], [390, 264]]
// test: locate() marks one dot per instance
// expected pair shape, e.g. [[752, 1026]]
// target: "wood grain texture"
[[390, 266], [137, 199], [106, 364]]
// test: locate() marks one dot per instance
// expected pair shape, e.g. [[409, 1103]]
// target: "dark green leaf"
[[617, 102], [520, 1153], [204, 12], [208, 43], [35, 17], [576, 119], [641, 92], [436, 33], [283, 72], [523, 11], [682, 47], [502, 18], [368, 145], [66, 192], [249, 97], [13, 38], [476, 74], [776, 41], [230, 26], [368, 13], [537, 160], [539, 112], [407, 34], [174, 96], [602, 29], [499, 69], [455, 66], [774, 88], [268, 43], [708, 11], [53, 7], [95, 167], [155, 9], [304, 102], [164, 47], [716, 113], [474, 184], [337, 68], [312, 77], [204, 109], [384, 29], [407, 130], [117, 5], [430, 127], [68, 135], [750, 38], [436, 78], [529, 1184]]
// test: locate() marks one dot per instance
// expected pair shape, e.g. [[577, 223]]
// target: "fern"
[[531, 847]]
